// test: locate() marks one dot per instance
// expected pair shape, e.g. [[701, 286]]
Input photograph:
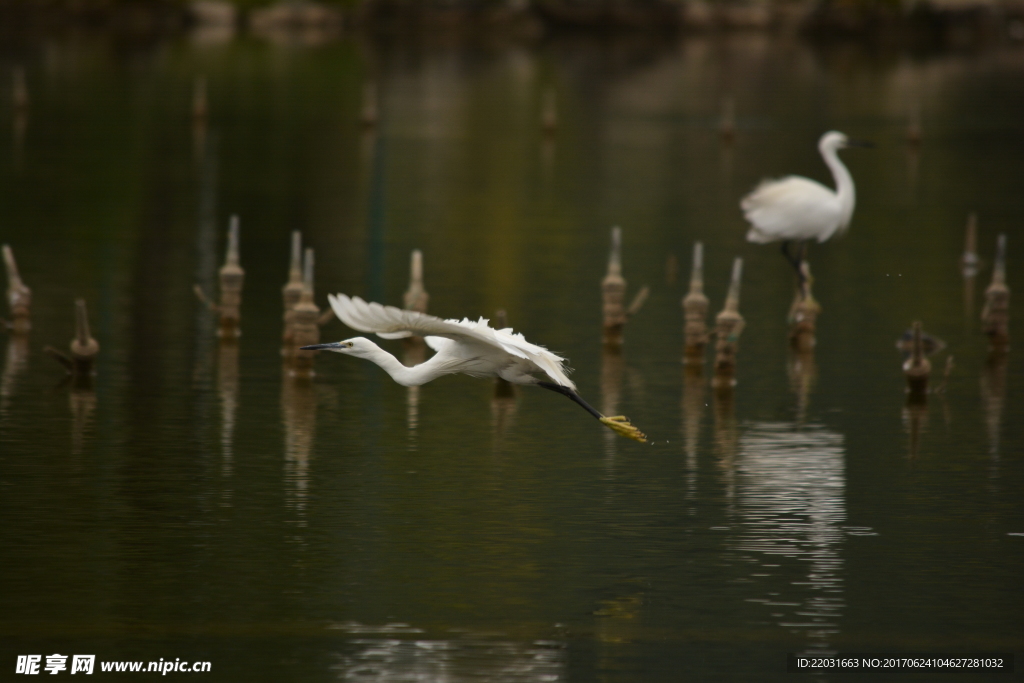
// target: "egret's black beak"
[[867, 144], [324, 347]]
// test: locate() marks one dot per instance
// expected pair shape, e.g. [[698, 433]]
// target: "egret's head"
[[834, 140], [356, 346]]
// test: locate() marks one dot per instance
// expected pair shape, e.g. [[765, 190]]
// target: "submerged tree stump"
[[996, 314], [19, 296], [728, 327], [695, 312]]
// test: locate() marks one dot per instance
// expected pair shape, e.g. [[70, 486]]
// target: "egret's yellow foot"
[[620, 425]]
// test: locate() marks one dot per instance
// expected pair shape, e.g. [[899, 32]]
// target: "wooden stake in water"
[[914, 133], [996, 315], [19, 296], [232, 277], [549, 112], [416, 297], [613, 293], [84, 348], [728, 327], [969, 263], [200, 107], [803, 315], [502, 388], [917, 368], [292, 290], [727, 124], [19, 90], [695, 311], [305, 327], [369, 113]]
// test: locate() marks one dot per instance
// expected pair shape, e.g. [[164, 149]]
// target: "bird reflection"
[[227, 389], [298, 411], [694, 388], [414, 352], [14, 365], [790, 497]]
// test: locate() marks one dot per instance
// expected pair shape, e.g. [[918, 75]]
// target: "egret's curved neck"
[[844, 183], [409, 377]]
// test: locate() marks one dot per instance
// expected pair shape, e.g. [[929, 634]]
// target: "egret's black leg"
[[789, 258], [566, 391]]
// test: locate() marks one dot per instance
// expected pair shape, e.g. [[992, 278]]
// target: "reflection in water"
[[82, 400], [14, 364], [791, 502], [726, 435], [803, 373], [504, 405], [618, 620], [227, 389], [298, 411], [915, 420], [993, 398], [694, 388], [414, 353], [613, 367], [388, 654]]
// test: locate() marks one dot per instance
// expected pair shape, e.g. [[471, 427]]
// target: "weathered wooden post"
[[549, 112], [369, 113], [803, 314], [232, 277], [695, 311], [84, 349], [19, 296], [969, 263], [727, 123], [416, 297], [728, 327], [502, 388], [19, 90], [613, 292], [917, 367], [200, 107], [305, 327], [914, 134], [996, 315], [292, 290]]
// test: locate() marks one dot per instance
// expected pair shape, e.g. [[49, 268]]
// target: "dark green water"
[[194, 503]]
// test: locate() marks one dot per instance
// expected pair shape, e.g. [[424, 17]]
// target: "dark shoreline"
[[927, 24]]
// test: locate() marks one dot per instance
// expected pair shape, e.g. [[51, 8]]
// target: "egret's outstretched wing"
[[394, 323], [791, 208]]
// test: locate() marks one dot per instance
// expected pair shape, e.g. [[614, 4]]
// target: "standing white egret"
[[798, 209], [462, 346]]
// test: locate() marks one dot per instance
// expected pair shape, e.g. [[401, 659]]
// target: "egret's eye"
[[349, 344]]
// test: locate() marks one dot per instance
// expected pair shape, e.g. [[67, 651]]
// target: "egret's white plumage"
[[797, 208], [462, 347]]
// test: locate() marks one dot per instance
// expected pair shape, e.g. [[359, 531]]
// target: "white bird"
[[798, 209], [462, 347]]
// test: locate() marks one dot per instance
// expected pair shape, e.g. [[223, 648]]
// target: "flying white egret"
[[798, 209], [462, 347]]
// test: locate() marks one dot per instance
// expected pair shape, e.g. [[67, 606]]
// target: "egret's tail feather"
[[622, 426], [757, 237]]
